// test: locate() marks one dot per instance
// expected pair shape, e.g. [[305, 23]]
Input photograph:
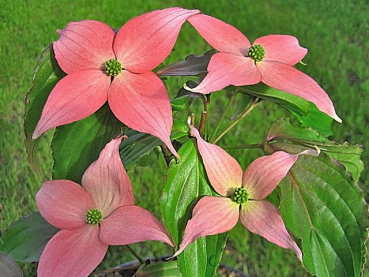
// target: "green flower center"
[[257, 53], [240, 196], [113, 67], [93, 216]]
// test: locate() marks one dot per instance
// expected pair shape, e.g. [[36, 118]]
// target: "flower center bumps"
[[113, 67], [256, 52], [93, 216], [240, 196]]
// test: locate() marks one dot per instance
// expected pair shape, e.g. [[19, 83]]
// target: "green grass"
[[335, 32]]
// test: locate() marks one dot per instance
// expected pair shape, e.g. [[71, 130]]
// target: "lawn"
[[335, 32]]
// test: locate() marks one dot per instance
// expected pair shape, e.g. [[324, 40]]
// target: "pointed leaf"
[[186, 183], [8, 267], [26, 238], [47, 73], [323, 206], [76, 145]]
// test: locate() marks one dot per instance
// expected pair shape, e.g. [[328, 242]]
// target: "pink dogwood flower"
[[241, 196], [104, 66], [269, 60], [99, 213]]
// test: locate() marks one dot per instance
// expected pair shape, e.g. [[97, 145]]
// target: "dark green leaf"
[[160, 269], [186, 184], [138, 149], [192, 65], [8, 267], [185, 98], [26, 238], [76, 145], [323, 206], [47, 73]]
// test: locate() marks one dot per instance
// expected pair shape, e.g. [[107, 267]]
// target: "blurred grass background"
[[335, 32]]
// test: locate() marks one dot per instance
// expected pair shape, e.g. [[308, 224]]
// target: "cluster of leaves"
[[320, 202]]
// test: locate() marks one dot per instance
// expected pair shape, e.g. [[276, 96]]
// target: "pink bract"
[[233, 65], [79, 246], [137, 97], [214, 214]]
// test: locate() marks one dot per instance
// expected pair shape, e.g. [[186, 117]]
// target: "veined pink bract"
[[269, 60], [241, 196], [104, 66], [99, 213]]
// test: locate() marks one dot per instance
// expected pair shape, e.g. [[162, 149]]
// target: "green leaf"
[[26, 238], [348, 155], [159, 269], [76, 145], [323, 206], [8, 267], [282, 129], [185, 98], [179, 129], [47, 73], [186, 184], [295, 104], [138, 149]]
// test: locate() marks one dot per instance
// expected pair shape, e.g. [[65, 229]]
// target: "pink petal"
[[72, 253], [265, 173], [142, 103], [107, 181], [74, 97], [282, 48], [145, 41], [228, 69], [131, 224], [262, 218], [220, 35], [224, 172], [64, 203], [291, 80], [84, 45], [211, 215]]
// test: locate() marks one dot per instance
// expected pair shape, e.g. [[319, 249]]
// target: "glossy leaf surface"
[[186, 184], [323, 206]]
